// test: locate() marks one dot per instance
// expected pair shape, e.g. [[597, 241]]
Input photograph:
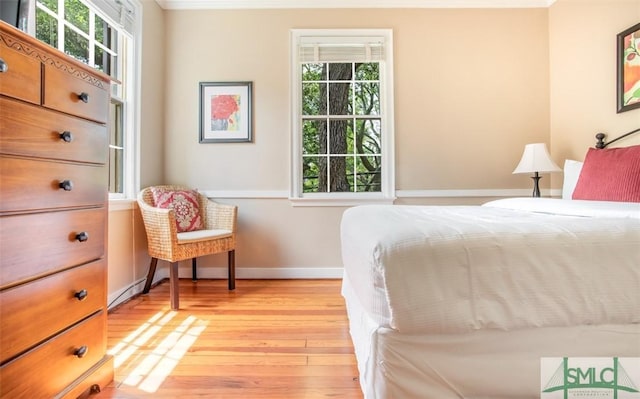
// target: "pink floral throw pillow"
[[184, 204]]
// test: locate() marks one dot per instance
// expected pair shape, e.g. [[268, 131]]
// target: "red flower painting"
[[629, 69], [631, 63], [224, 111]]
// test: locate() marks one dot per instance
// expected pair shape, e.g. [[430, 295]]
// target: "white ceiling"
[[274, 4]]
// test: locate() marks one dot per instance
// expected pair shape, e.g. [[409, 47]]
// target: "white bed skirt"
[[483, 363]]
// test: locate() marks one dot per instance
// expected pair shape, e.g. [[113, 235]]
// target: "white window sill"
[[340, 200]]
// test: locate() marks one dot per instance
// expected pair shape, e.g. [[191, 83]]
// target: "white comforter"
[[508, 264]]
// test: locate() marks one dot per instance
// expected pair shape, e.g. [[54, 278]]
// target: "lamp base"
[[536, 187]]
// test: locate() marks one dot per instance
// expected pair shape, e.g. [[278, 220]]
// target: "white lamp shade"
[[536, 158]]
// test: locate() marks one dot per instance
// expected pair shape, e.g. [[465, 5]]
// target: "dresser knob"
[[84, 97], [66, 136], [66, 185], [4, 67], [81, 351], [82, 236], [81, 295]]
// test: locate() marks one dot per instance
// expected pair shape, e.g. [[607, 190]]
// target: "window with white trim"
[[100, 33], [342, 116]]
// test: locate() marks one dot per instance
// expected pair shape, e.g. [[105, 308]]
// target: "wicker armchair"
[[165, 243]]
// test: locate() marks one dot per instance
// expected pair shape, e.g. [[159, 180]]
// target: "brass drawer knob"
[[84, 97], [4, 67]]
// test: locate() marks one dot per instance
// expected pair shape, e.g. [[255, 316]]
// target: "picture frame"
[[225, 112], [628, 69]]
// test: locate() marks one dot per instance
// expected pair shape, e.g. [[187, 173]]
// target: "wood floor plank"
[[268, 339]]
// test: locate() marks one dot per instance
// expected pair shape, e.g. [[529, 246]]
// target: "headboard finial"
[[600, 137]]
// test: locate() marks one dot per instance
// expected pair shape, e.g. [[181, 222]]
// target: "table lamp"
[[536, 160]]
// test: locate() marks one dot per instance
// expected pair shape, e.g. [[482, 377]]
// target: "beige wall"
[[465, 80], [471, 88], [582, 48]]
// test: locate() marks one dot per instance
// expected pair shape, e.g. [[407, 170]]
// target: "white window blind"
[[331, 49], [121, 12]]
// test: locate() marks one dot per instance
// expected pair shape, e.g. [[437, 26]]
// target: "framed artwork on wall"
[[628, 69], [225, 112]]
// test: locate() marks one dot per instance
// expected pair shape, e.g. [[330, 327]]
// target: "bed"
[[465, 301]]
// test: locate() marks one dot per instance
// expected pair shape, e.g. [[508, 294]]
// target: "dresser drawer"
[[32, 312], [38, 244], [62, 92], [22, 78], [34, 131], [29, 184], [50, 367], [97, 377]]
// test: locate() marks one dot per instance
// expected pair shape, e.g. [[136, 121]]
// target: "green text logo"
[[589, 378]]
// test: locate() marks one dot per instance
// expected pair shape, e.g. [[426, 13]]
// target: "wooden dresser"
[[53, 222]]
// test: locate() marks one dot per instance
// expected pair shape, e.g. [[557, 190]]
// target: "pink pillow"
[[610, 175], [184, 204]]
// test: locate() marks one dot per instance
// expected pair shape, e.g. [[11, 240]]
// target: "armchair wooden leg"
[[194, 273], [150, 274], [173, 285], [232, 270]]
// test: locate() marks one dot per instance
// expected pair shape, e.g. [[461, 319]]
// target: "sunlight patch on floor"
[[151, 370]]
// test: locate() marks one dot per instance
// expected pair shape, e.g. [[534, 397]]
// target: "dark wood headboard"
[[600, 137]]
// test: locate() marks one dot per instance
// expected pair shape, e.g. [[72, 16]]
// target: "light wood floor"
[[267, 339]]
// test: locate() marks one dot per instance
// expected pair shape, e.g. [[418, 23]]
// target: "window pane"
[[116, 150], [314, 98], [368, 174], [368, 136], [313, 71], [339, 99], [116, 171], [50, 4], [46, 28], [367, 98], [340, 71], [341, 136], [105, 34], [312, 169], [367, 71], [75, 45], [339, 182], [351, 172], [314, 137], [104, 61], [77, 14]]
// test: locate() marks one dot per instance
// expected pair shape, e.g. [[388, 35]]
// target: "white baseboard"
[[116, 298], [257, 272]]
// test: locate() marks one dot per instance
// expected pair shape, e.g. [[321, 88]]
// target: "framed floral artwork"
[[628, 76], [225, 112]]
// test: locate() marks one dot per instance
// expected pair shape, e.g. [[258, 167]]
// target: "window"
[[86, 30], [342, 127]]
